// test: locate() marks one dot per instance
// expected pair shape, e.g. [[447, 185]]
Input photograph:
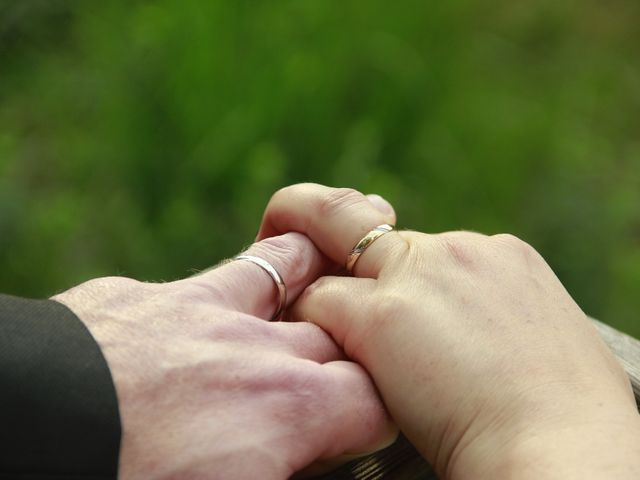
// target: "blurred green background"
[[144, 138]]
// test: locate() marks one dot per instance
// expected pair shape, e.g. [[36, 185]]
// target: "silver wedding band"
[[273, 273]]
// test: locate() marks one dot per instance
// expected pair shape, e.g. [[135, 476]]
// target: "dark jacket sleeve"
[[59, 414]]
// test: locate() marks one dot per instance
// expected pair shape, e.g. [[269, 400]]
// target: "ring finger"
[[248, 288], [334, 218]]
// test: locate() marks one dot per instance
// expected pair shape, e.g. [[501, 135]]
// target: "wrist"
[[598, 442]]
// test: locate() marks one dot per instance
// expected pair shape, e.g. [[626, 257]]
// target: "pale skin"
[[208, 388], [480, 355]]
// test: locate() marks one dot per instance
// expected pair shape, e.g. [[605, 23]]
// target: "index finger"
[[335, 219]]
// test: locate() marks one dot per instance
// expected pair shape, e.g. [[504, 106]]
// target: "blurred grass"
[[145, 137]]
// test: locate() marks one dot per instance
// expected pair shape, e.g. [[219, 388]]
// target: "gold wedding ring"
[[273, 273], [364, 243]]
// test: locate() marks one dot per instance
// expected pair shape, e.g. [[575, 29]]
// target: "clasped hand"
[[469, 342]]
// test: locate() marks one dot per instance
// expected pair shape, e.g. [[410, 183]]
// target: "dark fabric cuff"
[[59, 413]]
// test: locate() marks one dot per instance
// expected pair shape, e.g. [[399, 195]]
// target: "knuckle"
[[339, 199], [516, 244], [281, 246], [523, 253], [287, 192], [508, 239], [288, 251], [461, 248], [306, 382], [281, 193]]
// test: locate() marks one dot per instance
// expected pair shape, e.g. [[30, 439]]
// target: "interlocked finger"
[[335, 219]]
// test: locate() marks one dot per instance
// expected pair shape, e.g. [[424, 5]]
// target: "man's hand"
[[208, 388]]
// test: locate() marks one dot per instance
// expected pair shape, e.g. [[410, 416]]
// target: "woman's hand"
[[208, 388], [481, 356]]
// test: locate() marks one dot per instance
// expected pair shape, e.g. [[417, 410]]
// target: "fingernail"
[[381, 204]]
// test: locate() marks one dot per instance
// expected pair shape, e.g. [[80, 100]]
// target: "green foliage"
[[144, 138]]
